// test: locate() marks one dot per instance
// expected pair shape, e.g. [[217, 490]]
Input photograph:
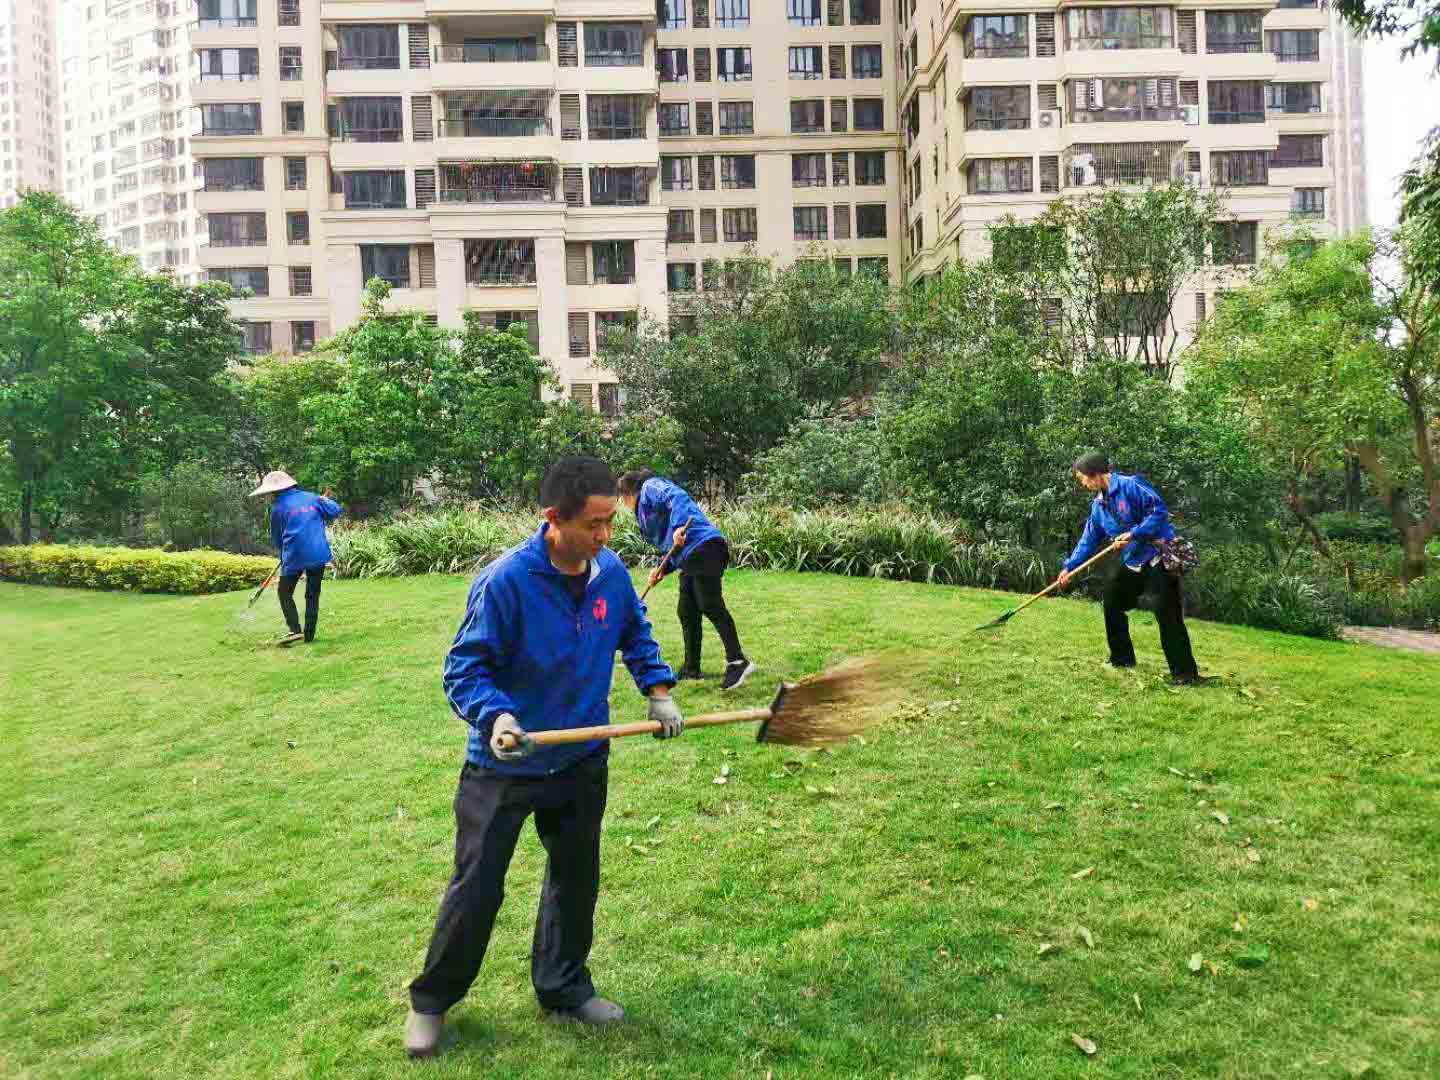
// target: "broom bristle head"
[[828, 707]]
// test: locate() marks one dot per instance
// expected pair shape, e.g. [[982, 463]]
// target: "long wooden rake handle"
[[642, 727], [1078, 570], [674, 547]]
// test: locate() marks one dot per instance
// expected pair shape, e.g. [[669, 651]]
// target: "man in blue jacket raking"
[[536, 652], [1127, 508], [297, 530]]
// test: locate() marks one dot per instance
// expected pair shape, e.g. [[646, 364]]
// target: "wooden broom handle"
[[643, 727], [1078, 570], [674, 547]]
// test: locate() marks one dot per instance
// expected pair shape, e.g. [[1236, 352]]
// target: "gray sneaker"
[[597, 1012], [422, 1034]]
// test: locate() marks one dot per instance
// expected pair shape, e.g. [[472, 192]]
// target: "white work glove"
[[505, 724], [666, 713]]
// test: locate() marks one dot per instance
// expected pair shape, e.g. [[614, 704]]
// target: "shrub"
[[1365, 528], [194, 506], [138, 569], [824, 461]]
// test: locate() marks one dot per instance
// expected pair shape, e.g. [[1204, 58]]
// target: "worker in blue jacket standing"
[[668, 518], [297, 530], [536, 652], [1128, 509]]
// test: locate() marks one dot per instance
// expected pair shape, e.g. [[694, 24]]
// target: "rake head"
[[996, 623], [828, 707]]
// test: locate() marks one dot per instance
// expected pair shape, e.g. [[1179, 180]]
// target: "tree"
[[274, 431]]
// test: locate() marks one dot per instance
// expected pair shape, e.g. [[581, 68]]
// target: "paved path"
[[1417, 640]]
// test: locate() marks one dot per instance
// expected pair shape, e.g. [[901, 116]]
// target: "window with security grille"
[[680, 277], [302, 336], [233, 174], [1122, 100], [614, 261], [806, 62], [1308, 202], [1294, 46], [680, 228], [229, 65], [998, 108], [509, 261], [240, 118], [297, 228], [1298, 151], [1111, 28], [732, 14], [388, 262], [1109, 164], [295, 174], [369, 47], [301, 283], [741, 224], [291, 66], [732, 64], [613, 322], [704, 118], [579, 325], [1240, 168], [673, 64], [245, 280], [865, 62], [370, 119], [870, 222], [615, 116], [612, 398], [629, 186], [737, 118], [1236, 101], [807, 116], [237, 230], [614, 44], [737, 172], [811, 223], [289, 12], [499, 114], [803, 12], [671, 14], [1233, 31], [375, 190], [257, 337], [674, 117], [840, 170], [1293, 97], [997, 36], [702, 65], [870, 114], [1235, 243], [870, 167], [675, 173], [807, 170]]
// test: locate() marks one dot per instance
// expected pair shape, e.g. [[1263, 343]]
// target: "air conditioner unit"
[[1191, 113], [1050, 118]]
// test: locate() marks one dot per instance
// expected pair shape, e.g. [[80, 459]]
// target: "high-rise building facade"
[[125, 95], [29, 105]]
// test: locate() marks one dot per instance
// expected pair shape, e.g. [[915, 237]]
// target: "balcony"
[[1123, 164], [495, 127], [498, 182], [525, 138], [492, 54], [492, 67]]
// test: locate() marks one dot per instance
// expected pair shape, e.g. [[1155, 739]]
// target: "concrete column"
[[450, 282], [554, 302], [347, 291]]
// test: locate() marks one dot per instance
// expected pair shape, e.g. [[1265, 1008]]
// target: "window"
[[1297, 151], [294, 115], [237, 230], [257, 337], [803, 12], [302, 336], [807, 116], [864, 12], [733, 64], [680, 227], [870, 223], [233, 174], [674, 65], [1293, 97], [995, 37], [297, 228], [500, 262], [611, 396], [674, 117], [369, 47], [237, 119], [291, 69], [616, 116], [294, 174], [737, 172], [737, 118], [1119, 28], [378, 190], [675, 173], [870, 114], [388, 262], [671, 14], [234, 65], [806, 62], [870, 167], [1233, 31], [1122, 100], [1107, 164], [741, 224], [223, 14], [1234, 242], [993, 176], [732, 14], [1131, 315], [614, 261], [289, 12], [1240, 168], [807, 170], [998, 108], [370, 119], [251, 280], [615, 45], [680, 277], [812, 223], [496, 114], [1237, 102], [1308, 202], [619, 187], [865, 62], [300, 281], [1295, 46]]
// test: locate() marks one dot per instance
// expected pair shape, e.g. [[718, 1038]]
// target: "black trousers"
[[1124, 593], [490, 811], [314, 578], [702, 593]]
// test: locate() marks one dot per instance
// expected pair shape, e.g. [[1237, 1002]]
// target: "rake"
[[1003, 619], [249, 611], [674, 547], [817, 711]]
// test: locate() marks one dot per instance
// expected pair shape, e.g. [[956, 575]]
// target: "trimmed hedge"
[[136, 569]]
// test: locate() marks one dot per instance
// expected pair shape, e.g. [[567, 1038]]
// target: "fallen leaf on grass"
[[1196, 962], [1253, 957], [1054, 806], [1086, 1046], [1220, 816], [1086, 936], [1241, 924], [721, 780], [1310, 904], [652, 822], [1048, 947], [811, 789], [808, 992], [1177, 772], [1089, 871], [1214, 971], [1136, 999], [1253, 854]]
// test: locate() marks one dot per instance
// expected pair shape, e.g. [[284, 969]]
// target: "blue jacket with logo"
[[1128, 505], [527, 648], [665, 506], [297, 529]]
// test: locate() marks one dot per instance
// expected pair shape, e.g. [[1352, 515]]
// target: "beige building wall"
[[29, 99]]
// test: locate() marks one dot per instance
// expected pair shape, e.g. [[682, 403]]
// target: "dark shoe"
[[736, 672], [290, 639], [1191, 680], [1122, 667], [688, 673], [596, 1012], [422, 1034]]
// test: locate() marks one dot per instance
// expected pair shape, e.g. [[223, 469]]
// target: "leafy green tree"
[[274, 431]]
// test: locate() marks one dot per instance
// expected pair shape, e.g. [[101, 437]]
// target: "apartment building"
[[1005, 106], [496, 158], [124, 90], [29, 150]]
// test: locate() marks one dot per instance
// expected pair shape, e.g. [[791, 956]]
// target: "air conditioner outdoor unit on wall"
[[1050, 118], [1191, 113]]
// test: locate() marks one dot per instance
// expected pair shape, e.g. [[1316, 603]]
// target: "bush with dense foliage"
[[137, 569], [825, 461], [195, 506]]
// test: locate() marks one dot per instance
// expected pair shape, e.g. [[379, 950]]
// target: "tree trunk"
[[1352, 483], [27, 511], [1415, 562]]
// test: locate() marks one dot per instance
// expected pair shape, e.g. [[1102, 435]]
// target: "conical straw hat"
[[278, 480]]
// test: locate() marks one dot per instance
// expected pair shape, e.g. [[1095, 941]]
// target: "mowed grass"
[[223, 860]]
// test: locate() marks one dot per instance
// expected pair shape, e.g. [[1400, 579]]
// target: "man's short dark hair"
[[570, 482], [631, 482], [1091, 464]]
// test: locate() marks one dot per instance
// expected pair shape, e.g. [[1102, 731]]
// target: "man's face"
[[582, 536], [1091, 483]]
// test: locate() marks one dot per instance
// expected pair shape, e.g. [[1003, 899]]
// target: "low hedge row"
[[137, 569]]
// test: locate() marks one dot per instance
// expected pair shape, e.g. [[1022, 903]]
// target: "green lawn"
[[222, 860]]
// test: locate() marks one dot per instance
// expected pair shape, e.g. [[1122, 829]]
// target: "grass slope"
[[185, 893]]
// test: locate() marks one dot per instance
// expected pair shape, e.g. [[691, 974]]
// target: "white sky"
[[1402, 103]]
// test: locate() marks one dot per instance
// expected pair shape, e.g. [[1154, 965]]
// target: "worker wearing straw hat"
[[297, 529]]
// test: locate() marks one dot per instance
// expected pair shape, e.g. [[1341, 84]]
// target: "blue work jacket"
[[297, 529], [665, 506], [1128, 505]]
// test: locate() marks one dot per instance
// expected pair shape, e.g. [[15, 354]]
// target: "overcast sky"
[[1402, 103]]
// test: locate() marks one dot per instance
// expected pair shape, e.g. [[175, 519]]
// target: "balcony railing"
[[614, 59], [491, 54], [1305, 162], [1298, 56], [1228, 116], [497, 182], [233, 185], [379, 62], [523, 274], [999, 123], [1233, 43], [229, 76], [358, 134], [495, 127], [998, 50], [1125, 116], [238, 241], [228, 22], [248, 129]]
